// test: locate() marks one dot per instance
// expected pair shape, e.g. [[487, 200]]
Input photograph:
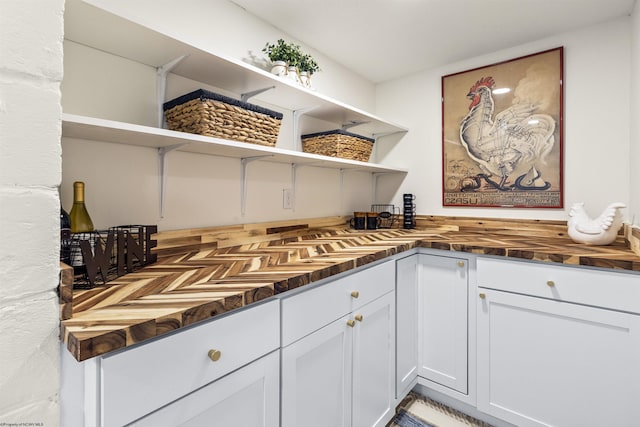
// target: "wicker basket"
[[207, 113], [338, 143]]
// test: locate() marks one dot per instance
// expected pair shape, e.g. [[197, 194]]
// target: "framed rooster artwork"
[[502, 132]]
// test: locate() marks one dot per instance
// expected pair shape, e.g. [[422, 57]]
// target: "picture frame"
[[502, 134]]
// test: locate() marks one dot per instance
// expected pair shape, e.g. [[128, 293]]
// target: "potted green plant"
[[282, 56], [308, 66]]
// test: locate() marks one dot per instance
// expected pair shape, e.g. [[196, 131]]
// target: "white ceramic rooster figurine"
[[599, 231]]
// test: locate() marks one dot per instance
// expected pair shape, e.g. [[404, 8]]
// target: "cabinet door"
[[406, 324], [544, 362], [374, 362], [316, 378], [311, 309], [245, 398], [443, 287]]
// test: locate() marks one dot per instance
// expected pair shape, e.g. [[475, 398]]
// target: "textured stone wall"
[[31, 33]]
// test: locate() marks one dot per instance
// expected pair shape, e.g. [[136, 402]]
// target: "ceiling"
[[385, 39]]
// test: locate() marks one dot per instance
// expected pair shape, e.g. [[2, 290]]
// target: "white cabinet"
[[548, 355], [406, 324], [248, 397], [443, 321], [433, 336], [316, 378], [338, 368], [374, 363], [182, 370]]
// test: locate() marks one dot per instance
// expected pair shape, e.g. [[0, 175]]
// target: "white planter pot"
[[279, 68], [305, 79], [292, 73]]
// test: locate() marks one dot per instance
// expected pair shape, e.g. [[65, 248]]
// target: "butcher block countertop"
[[204, 273]]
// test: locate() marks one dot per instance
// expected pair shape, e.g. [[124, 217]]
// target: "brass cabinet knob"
[[355, 294], [358, 317], [551, 283], [482, 295], [351, 323], [460, 263], [214, 355]]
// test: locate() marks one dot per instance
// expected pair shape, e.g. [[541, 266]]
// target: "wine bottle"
[[65, 237], [80, 219]]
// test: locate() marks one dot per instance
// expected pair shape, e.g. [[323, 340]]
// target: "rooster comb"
[[484, 81]]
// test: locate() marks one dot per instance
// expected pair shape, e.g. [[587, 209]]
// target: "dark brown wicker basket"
[[338, 143], [210, 114]]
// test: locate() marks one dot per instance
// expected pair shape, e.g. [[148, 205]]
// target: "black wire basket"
[[387, 215], [100, 256]]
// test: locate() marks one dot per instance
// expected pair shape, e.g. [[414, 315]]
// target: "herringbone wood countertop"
[[185, 288]]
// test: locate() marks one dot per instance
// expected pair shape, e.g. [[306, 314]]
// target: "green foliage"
[[283, 51], [292, 54], [308, 64]]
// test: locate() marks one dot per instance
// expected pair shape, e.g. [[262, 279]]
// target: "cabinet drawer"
[[138, 381], [600, 288], [310, 310], [249, 396]]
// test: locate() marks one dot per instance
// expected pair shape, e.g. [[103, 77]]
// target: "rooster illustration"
[[516, 140]]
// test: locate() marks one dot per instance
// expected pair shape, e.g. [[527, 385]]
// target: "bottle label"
[[65, 246]]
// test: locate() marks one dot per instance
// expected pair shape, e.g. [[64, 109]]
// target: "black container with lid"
[[409, 211]]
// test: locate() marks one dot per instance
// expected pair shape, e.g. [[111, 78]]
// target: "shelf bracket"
[[382, 134], [161, 85], [376, 136], [244, 97], [243, 179], [341, 191], [374, 184], [162, 154], [296, 125], [352, 123], [294, 172]]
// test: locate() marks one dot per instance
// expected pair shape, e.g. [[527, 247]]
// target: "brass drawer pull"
[[351, 323], [355, 294], [460, 263], [551, 283], [214, 355], [358, 317], [482, 295]]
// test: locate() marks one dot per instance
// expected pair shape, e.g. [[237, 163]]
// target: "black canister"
[[409, 211]]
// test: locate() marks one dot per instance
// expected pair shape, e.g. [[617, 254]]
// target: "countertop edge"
[[85, 343]]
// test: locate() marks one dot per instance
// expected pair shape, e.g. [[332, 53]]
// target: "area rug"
[[419, 411]]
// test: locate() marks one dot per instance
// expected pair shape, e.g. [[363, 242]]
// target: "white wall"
[[229, 30], [597, 140], [122, 182], [634, 158], [596, 115], [30, 75]]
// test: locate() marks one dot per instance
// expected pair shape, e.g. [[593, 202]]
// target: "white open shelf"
[[99, 29], [102, 30], [165, 141], [90, 128]]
